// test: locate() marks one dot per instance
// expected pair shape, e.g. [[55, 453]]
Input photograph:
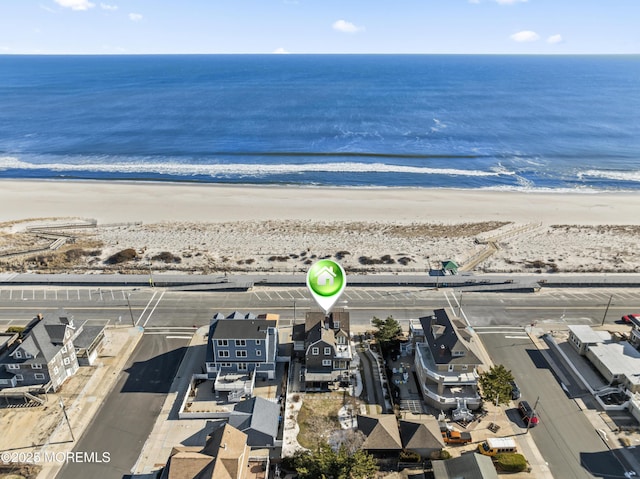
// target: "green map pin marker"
[[326, 281]]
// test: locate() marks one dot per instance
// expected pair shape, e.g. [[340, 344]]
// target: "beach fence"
[[492, 243], [51, 232]]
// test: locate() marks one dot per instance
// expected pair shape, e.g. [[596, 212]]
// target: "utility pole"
[[133, 323], [64, 411], [606, 310], [533, 413]]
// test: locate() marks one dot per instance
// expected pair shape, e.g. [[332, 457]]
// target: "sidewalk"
[[117, 348]]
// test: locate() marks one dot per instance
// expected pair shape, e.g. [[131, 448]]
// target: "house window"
[[326, 362], [465, 367], [38, 376], [223, 354], [66, 361], [451, 366], [242, 367], [64, 349], [36, 366], [258, 342], [27, 355], [341, 340], [258, 353], [222, 342], [336, 325], [241, 342], [56, 369], [13, 366], [18, 354], [327, 351], [225, 365], [19, 377], [315, 351], [241, 354]]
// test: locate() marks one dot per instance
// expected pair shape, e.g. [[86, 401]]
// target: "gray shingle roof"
[[241, 328], [256, 414], [467, 466], [381, 431], [444, 336]]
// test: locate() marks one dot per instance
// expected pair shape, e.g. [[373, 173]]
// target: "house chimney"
[[39, 316]]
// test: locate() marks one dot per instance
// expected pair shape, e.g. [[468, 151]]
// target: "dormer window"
[[458, 353], [336, 325], [18, 354]]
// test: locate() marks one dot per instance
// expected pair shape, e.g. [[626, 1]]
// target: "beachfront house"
[[44, 355], [324, 341], [445, 363], [242, 344]]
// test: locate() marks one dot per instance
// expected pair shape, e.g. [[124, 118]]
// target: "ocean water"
[[429, 121]]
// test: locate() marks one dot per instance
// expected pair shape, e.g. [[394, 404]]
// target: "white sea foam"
[[181, 169], [610, 175]]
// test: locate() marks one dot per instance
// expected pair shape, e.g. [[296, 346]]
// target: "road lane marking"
[[178, 337], [154, 308], [517, 337], [146, 307]]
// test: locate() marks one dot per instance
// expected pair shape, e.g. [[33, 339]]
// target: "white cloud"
[[346, 27], [106, 6], [525, 36], [280, 51], [510, 2], [474, 1], [135, 17], [75, 4], [555, 39]]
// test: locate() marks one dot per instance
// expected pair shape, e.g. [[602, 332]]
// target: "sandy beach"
[[213, 228]]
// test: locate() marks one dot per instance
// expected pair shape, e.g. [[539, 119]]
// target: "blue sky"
[[319, 26]]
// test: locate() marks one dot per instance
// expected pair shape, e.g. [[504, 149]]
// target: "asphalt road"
[[157, 307], [128, 414], [564, 436]]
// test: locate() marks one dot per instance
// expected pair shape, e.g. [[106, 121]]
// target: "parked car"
[[529, 416], [515, 390], [627, 318]]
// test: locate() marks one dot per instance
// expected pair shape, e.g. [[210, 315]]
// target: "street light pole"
[[64, 411], [133, 323], [606, 310], [533, 413]]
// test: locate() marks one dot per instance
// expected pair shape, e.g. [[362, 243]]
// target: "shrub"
[[167, 257], [341, 254], [510, 462], [15, 329], [444, 454], [409, 456], [122, 256]]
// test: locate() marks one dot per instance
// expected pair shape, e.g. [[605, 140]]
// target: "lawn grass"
[[318, 417]]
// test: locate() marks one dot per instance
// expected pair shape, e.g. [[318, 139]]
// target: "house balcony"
[[450, 397], [425, 362], [343, 351], [235, 382]]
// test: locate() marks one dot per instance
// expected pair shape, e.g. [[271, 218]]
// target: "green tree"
[[387, 332], [495, 384], [325, 463]]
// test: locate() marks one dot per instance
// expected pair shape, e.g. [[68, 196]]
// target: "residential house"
[[259, 419], [422, 435], [617, 361], [581, 336], [325, 343], [445, 364], [471, 466], [43, 356], [242, 344], [382, 437], [226, 455]]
